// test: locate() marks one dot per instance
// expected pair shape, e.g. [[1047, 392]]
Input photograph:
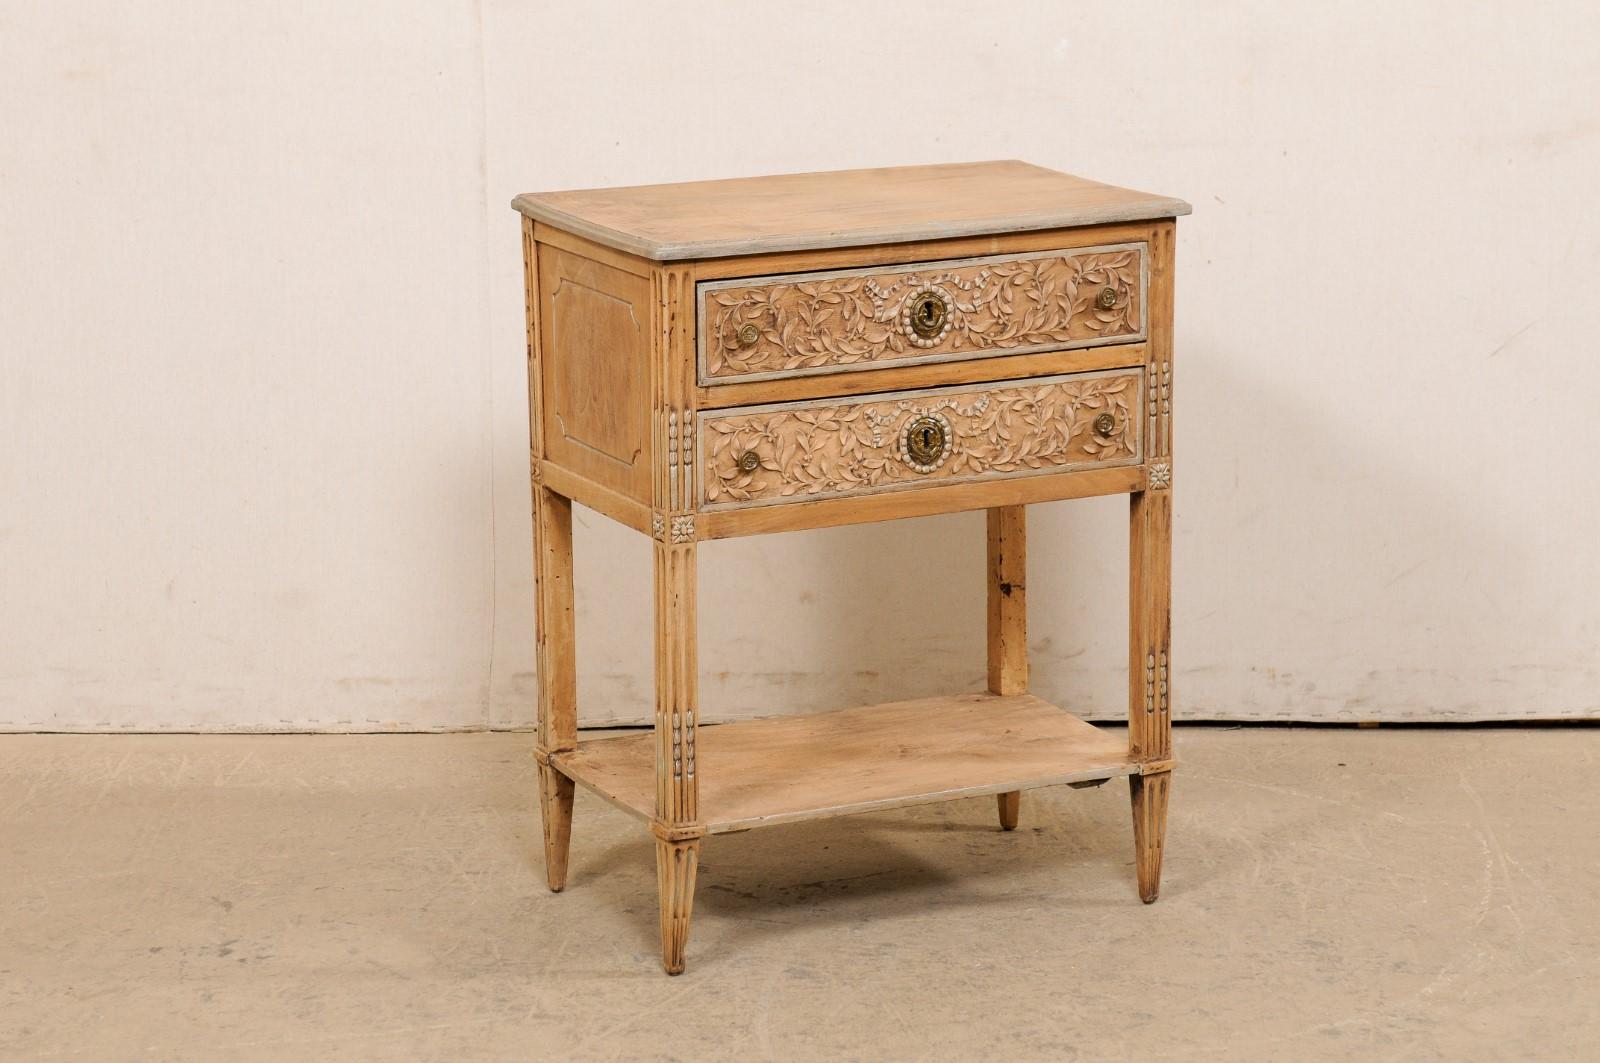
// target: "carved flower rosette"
[[854, 447], [859, 318]]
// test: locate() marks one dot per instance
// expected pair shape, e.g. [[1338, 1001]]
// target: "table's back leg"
[[677, 690], [553, 600], [555, 810], [1008, 620], [1149, 679], [557, 663]]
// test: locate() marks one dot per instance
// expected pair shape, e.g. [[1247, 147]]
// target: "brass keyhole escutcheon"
[[1104, 425], [925, 443], [748, 335], [749, 461], [1107, 298], [928, 315]]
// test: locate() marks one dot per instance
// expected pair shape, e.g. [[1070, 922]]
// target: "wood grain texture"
[[676, 623], [554, 620], [610, 256], [531, 311], [1150, 590], [1150, 625], [677, 685], [790, 212], [1007, 594], [1149, 794], [603, 500], [804, 324], [1158, 390], [1010, 809], [949, 498], [595, 344], [769, 771], [623, 418], [674, 391], [676, 864], [827, 448], [555, 814], [1150, 536], [938, 250], [917, 377], [1008, 599]]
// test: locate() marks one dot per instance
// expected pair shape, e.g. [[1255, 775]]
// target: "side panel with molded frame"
[[596, 322]]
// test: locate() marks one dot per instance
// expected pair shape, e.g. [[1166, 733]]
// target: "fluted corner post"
[[1150, 671], [1150, 627], [1008, 620], [677, 825], [677, 698]]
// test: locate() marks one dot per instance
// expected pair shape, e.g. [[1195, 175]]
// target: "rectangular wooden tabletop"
[[842, 208]]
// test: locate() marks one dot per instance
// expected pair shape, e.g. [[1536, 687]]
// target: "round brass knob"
[[1104, 425], [1107, 298], [925, 317], [925, 443], [748, 335], [749, 461]]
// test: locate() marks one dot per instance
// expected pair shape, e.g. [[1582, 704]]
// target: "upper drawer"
[[801, 324]]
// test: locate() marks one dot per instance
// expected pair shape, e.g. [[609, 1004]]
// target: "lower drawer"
[[828, 448]]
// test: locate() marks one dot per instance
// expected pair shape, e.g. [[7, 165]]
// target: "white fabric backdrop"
[[262, 410]]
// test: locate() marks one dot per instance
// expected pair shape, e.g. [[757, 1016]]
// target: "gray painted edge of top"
[[675, 252]]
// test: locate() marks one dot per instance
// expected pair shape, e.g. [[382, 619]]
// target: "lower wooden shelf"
[[790, 768]]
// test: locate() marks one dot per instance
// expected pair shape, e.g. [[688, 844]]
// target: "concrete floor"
[[1388, 894]]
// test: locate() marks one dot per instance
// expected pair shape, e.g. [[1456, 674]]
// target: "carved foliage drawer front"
[[808, 450], [806, 323]]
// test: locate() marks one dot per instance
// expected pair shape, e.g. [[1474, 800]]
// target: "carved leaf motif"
[[846, 446], [1030, 302]]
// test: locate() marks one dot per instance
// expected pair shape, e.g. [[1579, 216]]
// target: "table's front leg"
[[1149, 678], [676, 826]]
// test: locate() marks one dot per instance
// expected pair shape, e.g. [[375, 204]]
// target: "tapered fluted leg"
[[1150, 681], [1010, 806], [1150, 794], [1150, 670], [555, 808], [677, 800], [675, 867]]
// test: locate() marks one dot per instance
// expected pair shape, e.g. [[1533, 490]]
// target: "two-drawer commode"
[[729, 358]]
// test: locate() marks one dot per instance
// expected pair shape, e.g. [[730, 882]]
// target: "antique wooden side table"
[[735, 357]]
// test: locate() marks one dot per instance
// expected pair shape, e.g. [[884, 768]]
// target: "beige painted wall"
[[262, 413]]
